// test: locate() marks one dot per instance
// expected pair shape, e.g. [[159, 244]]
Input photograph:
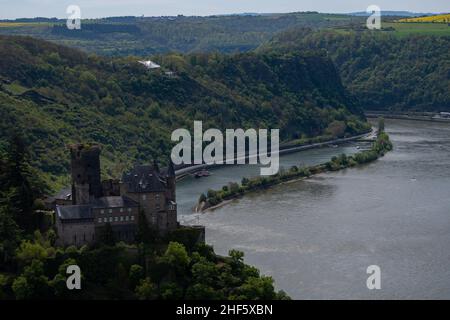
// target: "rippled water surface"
[[317, 237]]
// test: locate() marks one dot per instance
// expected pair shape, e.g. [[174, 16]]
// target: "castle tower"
[[86, 181], [171, 182]]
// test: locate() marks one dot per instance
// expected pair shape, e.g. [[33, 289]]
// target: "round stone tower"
[[86, 181]]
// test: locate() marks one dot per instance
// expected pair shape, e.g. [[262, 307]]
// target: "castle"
[[82, 214]]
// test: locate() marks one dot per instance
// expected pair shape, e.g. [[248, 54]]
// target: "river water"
[[317, 237]]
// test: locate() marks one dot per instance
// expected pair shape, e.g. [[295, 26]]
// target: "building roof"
[[64, 194], [144, 179], [114, 202], [149, 64], [81, 212], [78, 212]]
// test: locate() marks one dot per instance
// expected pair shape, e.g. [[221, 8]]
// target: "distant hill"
[[54, 95], [150, 35]]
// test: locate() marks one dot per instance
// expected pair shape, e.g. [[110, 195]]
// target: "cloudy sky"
[[10, 9]]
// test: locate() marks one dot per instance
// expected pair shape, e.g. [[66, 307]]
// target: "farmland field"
[[436, 18], [404, 29]]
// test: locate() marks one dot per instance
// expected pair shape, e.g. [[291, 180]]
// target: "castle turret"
[[86, 182]]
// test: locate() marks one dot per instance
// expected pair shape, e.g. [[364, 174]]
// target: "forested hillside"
[[55, 95], [150, 35], [382, 71]]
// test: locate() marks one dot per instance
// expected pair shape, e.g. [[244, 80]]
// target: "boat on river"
[[201, 174]]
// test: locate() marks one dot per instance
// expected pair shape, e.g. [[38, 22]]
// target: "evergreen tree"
[[19, 184]]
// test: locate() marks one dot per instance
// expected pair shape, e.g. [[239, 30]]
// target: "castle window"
[[116, 219], [110, 219], [110, 210], [144, 197], [99, 220], [121, 218], [121, 209], [129, 209], [157, 196], [127, 218], [132, 218], [158, 206], [105, 219], [102, 211]]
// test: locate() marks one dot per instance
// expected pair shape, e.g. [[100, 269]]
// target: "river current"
[[316, 237]]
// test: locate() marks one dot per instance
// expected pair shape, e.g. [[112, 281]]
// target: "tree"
[[260, 288], [22, 289], [336, 129], [136, 274], [30, 251], [4, 281], [177, 261], [176, 256], [201, 291], [9, 236], [171, 291], [32, 283], [146, 290], [20, 186]]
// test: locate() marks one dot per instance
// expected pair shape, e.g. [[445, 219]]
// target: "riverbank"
[[218, 198], [416, 116], [286, 148]]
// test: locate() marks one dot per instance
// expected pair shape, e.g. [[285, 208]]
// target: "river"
[[317, 237]]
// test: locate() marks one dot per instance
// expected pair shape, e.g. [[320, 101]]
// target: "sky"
[[10, 9]]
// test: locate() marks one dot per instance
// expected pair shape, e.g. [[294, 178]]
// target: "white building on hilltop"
[[149, 64]]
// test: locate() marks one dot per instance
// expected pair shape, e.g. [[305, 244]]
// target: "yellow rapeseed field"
[[436, 18]]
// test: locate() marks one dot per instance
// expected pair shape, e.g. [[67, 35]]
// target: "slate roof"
[[82, 212], [65, 194], [78, 212], [114, 202], [144, 179]]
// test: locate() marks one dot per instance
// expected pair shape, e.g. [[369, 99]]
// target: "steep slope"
[[382, 71], [55, 95]]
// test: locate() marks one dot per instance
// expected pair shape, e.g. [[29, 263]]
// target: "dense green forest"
[[383, 71], [150, 35], [55, 95], [175, 266]]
